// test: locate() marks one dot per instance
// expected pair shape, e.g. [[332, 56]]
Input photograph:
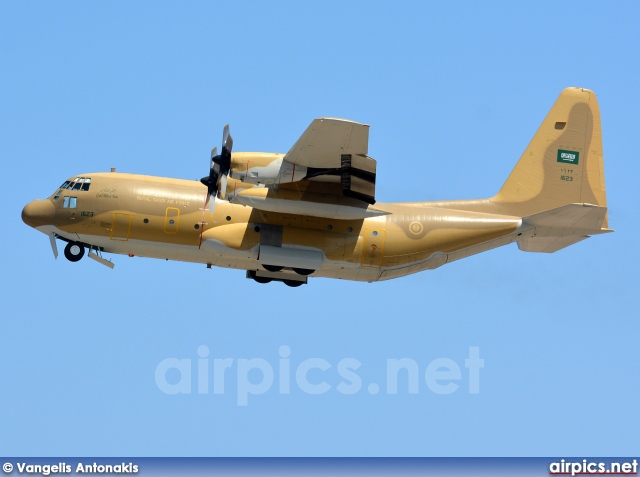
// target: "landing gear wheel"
[[74, 251], [271, 268], [262, 279], [303, 271], [292, 283]]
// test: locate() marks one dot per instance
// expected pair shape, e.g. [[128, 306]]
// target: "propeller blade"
[[54, 247], [214, 153], [212, 203], [222, 186], [211, 181], [227, 144]]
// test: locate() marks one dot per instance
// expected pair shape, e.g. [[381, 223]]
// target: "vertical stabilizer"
[[563, 163]]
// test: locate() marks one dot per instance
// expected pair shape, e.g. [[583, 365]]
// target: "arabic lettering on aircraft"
[[163, 200], [169, 197], [107, 193]]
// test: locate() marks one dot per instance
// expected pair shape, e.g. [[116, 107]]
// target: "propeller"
[[216, 181]]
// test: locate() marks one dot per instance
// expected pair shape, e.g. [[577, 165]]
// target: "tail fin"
[[563, 163]]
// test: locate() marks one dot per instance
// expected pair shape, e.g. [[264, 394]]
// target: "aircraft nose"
[[38, 212]]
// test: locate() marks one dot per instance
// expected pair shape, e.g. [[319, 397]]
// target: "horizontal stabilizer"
[[558, 228], [573, 216], [548, 244]]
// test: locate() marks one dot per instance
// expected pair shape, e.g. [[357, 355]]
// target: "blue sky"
[[453, 92]]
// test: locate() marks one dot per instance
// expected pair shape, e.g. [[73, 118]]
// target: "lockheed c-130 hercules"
[[313, 212]]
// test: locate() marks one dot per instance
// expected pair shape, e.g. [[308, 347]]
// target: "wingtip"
[[327, 119]]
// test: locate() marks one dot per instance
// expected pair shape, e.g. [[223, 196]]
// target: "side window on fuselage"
[[69, 202]]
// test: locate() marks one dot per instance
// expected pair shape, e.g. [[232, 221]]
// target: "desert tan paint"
[[168, 218]]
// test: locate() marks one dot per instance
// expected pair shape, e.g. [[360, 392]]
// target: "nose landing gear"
[[74, 251]]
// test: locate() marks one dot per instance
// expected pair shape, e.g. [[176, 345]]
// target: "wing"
[[326, 173], [326, 139], [335, 151]]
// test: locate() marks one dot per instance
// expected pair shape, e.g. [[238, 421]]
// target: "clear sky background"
[[453, 92]]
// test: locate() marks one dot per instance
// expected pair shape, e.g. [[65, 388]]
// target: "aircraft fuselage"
[[164, 218]]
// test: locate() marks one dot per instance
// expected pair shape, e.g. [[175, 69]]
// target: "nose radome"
[[38, 212]]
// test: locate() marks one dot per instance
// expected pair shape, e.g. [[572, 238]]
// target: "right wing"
[[326, 173], [335, 151], [326, 139]]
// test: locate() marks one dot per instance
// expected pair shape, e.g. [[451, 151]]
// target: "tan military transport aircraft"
[[312, 211]]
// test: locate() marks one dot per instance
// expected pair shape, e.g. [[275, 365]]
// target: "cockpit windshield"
[[77, 184]]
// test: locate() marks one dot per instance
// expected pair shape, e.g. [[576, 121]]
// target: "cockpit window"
[[77, 183]]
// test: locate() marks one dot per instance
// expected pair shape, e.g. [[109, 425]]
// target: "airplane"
[[312, 212]]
